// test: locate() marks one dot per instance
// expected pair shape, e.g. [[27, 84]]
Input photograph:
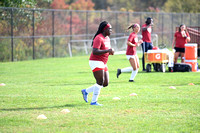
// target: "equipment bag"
[[182, 67]]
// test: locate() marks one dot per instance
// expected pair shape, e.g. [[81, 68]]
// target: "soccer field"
[[47, 86]]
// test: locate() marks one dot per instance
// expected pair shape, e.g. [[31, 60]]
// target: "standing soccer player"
[[131, 54], [181, 37], [146, 37], [98, 61]]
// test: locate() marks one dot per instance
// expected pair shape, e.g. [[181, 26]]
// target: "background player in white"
[[98, 61]]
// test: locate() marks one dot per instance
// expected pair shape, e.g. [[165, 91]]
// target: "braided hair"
[[100, 29]]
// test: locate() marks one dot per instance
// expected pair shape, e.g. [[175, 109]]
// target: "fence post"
[[70, 25], [128, 18], [53, 47], [116, 23], [70, 51], [85, 45], [141, 19], [162, 26], [181, 18], [86, 36], [172, 30], [33, 36], [86, 25], [199, 19], [101, 15], [12, 56], [128, 21], [70, 32]]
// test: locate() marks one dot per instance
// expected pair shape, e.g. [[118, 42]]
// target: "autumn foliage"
[[76, 19], [59, 4], [82, 5], [78, 5]]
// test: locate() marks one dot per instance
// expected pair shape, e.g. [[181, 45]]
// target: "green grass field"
[[47, 86]]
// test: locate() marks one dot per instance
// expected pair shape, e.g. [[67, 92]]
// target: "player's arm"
[[145, 28], [134, 45], [188, 39], [173, 42], [130, 44], [139, 42], [187, 36], [97, 51]]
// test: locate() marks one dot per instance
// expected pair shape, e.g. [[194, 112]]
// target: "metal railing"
[[118, 43]]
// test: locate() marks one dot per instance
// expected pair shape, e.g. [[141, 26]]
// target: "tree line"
[[178, 6]]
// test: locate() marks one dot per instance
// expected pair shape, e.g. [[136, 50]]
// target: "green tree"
[[18, 3], [22, 20], [44, 3], [149, 5], [129, 5], [121, 4], [189, 6]]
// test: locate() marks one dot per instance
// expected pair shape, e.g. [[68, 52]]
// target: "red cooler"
[[191, 51], [193, 63]]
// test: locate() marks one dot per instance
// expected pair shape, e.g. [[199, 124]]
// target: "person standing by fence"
[[146, 37], [131, 54], [181, 37], [98, 61]]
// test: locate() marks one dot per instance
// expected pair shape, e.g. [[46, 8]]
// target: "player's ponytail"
[[132, 26], [100, 29]]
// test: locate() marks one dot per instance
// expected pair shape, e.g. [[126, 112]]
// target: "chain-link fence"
[[41, 33]]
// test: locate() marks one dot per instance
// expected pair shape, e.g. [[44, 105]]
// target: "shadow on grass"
[[84, 72], [152, 71], [66, 84], [38, 108], [172, 85]]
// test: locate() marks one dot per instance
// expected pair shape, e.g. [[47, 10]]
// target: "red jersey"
[[146, 34], [180, 40], [133, 38], [102, 43]]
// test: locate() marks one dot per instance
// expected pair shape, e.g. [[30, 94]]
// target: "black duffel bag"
[[182, 67]]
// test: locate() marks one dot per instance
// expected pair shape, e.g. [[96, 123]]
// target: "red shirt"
[[102, 43], [133, 38], [180, 40], [146, 34]]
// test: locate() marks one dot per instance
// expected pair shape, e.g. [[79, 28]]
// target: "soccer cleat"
[[118, 72], [96, 103], [85, 95], [131, 81]]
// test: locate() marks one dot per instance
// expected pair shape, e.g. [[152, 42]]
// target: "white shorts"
[[130, 56], [97, 65]]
